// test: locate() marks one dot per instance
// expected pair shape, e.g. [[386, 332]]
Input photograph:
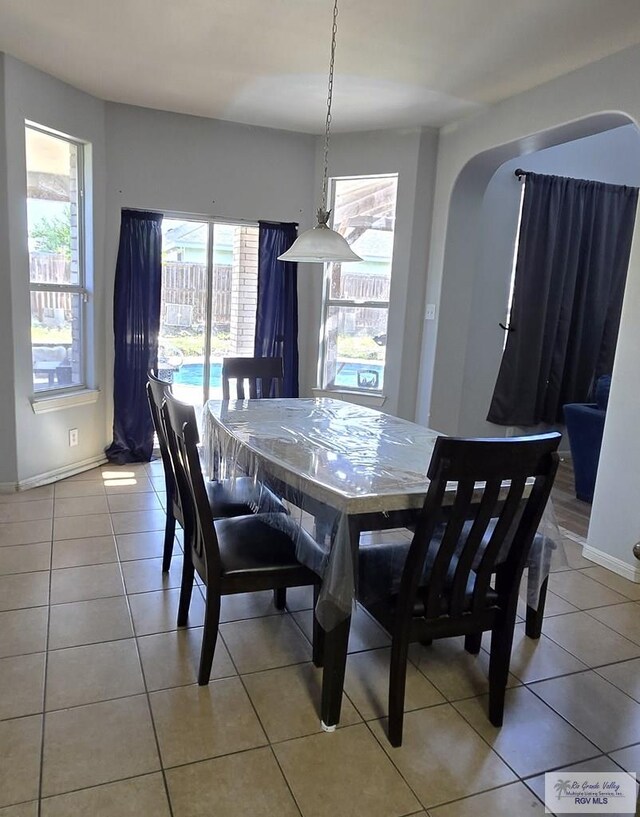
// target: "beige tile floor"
[[100, 713]]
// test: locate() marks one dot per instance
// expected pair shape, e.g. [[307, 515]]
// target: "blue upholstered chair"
[[585, 426]]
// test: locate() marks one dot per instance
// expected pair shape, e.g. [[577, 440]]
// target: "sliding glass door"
[[209, 296]]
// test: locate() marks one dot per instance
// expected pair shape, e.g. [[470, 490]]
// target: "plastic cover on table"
[[328, 460]]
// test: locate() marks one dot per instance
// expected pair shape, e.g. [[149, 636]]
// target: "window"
[[209, 300], [55, 219], [512, 279], [356, 295]]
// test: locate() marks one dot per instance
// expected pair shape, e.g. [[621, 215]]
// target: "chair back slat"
[[528, 522], [264, 376], [423, 546], [157, 390], [485, 512], [463, 546], [201, 544], [457, 517], [499, 542]]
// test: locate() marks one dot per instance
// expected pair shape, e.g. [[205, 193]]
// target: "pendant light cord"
[[325, 174], [321, 244]]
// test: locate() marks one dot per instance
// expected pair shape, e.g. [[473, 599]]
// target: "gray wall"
[[172, 162], [411, 153], [42, 440], [8, 467], [613, 157]]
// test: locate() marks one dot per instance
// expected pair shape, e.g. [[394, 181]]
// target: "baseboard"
[[612, 563], [53, 476], [575, 537]]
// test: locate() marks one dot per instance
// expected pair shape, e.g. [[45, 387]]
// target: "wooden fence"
[[185, 285], [365, 287], [183, 292], [50, 307]]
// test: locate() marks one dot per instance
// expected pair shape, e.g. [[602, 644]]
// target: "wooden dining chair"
[[236, 555], [264, 375], [226, 500], [460, 574]]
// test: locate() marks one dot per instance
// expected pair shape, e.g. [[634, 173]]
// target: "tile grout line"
[[393, 763], [268, 743], [262, 726], [580, 732], [586, 612], [505, 761], [144, 680], [46, 667]]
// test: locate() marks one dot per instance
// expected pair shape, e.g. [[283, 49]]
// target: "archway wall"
[[612, 156], [598, 97]]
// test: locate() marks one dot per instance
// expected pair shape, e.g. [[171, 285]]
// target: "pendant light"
[[322, 244]]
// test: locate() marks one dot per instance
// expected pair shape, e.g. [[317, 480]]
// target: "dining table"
[[348, 468]]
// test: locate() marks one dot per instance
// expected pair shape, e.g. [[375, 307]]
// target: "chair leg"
[[322, 528], [169, 533], [473, 642], [501, 642], [397, 684], [318, 632], [186, 588], [209, 637], [533, 625], [280, 598]]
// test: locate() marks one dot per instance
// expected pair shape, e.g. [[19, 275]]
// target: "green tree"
[[54, 234]]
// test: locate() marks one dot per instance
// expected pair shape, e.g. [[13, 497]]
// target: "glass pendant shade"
[[319, 245]]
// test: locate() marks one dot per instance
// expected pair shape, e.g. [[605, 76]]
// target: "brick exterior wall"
[[244, 287]]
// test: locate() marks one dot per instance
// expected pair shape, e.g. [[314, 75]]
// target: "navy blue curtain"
[[571, 269], [277, 312], [136, 323]]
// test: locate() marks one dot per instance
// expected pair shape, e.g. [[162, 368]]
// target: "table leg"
[[336, 643], [335, 659], [318, 632]]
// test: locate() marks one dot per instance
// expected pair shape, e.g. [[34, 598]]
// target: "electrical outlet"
[[430, 312], [73, 437]]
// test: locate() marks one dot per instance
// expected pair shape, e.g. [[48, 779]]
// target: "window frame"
[[328, 301], [79, 288], [512, 276]]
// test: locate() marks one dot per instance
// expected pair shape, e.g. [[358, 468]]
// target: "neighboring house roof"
[[194, 234], [374, 245]]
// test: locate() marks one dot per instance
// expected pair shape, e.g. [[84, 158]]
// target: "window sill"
[[59, 402], [373, 400]]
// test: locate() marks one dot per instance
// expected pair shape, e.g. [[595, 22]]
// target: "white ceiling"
[[264, 62]]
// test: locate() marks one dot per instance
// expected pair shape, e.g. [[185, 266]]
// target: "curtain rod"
[[203, 217], [520, 173]]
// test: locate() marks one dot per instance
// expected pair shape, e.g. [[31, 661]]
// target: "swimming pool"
[[190, 374], [350, 376]]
